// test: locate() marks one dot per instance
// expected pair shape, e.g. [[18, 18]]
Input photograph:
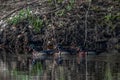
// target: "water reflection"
[[19, 67], [10, 64]]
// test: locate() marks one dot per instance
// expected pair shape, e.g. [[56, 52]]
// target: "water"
[[20, 68]]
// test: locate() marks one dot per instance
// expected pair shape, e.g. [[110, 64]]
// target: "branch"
[[86, 26], [15, 10]]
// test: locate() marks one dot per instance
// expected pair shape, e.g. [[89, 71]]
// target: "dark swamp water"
[[94, 68]]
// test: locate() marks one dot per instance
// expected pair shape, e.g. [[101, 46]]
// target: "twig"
[[51, 11], [86, 35], [5, 16], [86, 26]]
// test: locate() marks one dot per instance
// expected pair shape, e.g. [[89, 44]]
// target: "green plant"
[[60, 12], [23, 14], [72, 2], [70, 5], [37, 23], [110, 19]]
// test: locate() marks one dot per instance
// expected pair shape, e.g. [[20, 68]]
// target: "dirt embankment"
[[86, 25]]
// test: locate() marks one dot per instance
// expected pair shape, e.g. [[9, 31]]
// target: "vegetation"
[[36, 22], [23, 14], [110, 20], [89, 24]]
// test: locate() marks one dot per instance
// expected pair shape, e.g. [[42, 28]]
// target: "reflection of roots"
[[20, 66], [23, 65]]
